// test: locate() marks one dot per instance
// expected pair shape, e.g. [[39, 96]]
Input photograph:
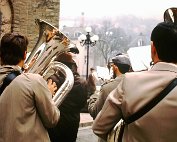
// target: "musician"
[[120, 64], [67, 128], [26, 105], [136, 89]]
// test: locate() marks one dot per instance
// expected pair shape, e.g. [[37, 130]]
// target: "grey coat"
[[135, 90], [26, 108], [96, 101]]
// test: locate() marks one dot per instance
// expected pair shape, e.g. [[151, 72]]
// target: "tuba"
[[51, 42], [170, 15]]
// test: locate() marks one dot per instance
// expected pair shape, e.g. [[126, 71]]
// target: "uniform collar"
[[20, 69], [163, 66]]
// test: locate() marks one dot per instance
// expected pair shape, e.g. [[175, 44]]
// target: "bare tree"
[[112, 40]]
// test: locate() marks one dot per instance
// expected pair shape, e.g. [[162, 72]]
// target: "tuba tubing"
[[66, 86], [51, 43]]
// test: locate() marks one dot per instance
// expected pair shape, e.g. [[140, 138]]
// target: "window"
[[77, 34]]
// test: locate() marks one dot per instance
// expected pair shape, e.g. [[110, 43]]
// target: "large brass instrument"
[[170, 15], [51, 42]]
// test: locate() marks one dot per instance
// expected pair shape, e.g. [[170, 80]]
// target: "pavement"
[[85, 120]]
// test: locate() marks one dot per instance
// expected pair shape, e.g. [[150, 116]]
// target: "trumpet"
[[51, 43]]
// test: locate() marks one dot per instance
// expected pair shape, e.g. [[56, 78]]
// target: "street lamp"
[[109, 33], [88, 40]]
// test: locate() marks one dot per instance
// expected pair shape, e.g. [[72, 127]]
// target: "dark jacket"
[[67, 127], [91, 84]]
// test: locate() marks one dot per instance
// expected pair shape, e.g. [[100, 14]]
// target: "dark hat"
[[65, 57], [121, 59], [92, 69]]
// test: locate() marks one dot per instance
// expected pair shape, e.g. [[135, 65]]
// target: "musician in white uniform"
[[26, 105], [138, 88]]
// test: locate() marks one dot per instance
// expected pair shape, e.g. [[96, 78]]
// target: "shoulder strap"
[[152, 103], [8, 79]]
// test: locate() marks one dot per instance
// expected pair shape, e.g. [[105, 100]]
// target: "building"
[[81, 59], [19, 16]]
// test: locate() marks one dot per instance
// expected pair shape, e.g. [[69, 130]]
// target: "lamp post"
[[88, 40]]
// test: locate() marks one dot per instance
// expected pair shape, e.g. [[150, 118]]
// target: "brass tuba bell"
[[51, 42], [170, 15]]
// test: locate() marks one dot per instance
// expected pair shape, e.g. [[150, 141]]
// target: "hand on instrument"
[[52, 86]]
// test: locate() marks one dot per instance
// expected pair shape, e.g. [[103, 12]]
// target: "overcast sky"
[[111, 8]]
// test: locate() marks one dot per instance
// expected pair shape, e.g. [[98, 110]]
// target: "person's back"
[[26, 104], [161, 118], [120, 65], [138, 88], [20, 120]]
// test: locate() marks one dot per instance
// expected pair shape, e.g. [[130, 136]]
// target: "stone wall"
[[23, 15]]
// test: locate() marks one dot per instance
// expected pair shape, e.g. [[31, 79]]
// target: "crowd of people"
[[28, 112], [136, 89]]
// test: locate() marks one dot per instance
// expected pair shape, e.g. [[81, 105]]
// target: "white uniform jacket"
[[26, 109], [133, 92], [96, 101]]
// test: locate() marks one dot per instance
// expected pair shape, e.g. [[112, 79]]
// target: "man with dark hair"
[[26, 104], [136, 89], [120, 65], [15, 54], [67, 128]]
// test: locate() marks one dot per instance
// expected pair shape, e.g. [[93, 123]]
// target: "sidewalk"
[[85, 120]]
